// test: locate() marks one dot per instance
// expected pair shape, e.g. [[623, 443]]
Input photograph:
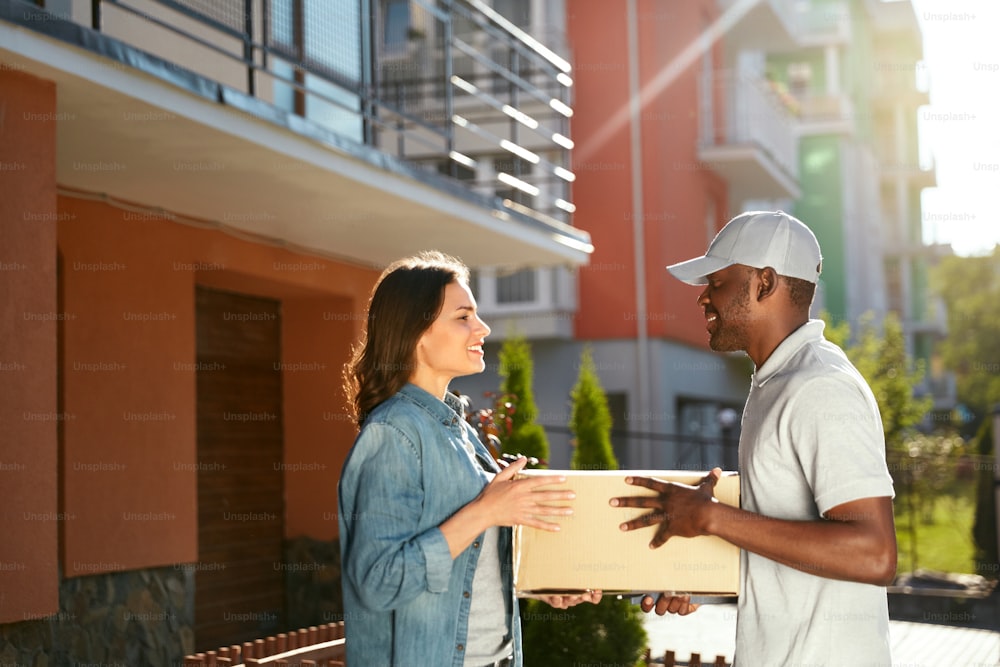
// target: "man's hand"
[[675, 604], [679, 509]]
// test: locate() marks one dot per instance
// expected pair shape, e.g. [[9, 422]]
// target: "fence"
[[324, 646], [315, 646]]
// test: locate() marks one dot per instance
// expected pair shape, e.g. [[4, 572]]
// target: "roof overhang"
[[133, 129]]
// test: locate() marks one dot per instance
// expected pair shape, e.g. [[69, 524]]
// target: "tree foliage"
[[984, 527], [970, 289], [913, 459], [881, 358], [515, 412], [590, 420]]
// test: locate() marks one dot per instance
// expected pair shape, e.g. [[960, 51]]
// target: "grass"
[[943, 536]]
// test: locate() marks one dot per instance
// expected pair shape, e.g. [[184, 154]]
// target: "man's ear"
[[767, 283]]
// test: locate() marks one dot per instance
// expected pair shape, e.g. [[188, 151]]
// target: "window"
[[711, 433], [395, 25], [326, 38], [517, 287]]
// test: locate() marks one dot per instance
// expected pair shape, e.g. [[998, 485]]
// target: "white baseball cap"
[[758, 239]]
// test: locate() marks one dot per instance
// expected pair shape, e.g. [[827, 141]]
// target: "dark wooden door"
[[239, 581]]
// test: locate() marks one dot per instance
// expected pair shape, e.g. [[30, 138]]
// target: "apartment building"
[[687, 114], [197, 199], [857, 88], [673, 133]]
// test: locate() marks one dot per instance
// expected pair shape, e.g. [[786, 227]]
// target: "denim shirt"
[[406, 602]]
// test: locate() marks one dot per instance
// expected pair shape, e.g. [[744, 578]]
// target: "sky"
[[960, 129]]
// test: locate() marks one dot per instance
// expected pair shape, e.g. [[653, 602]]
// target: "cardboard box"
[[590, 551]]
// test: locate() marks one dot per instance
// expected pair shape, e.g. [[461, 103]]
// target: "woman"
[[424, 510]]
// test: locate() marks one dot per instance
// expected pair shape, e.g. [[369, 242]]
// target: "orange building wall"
[[677, 188], [29, 580], [130, 447], [316, 335]]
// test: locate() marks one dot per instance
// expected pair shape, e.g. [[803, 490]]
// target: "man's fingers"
[[675, 604], [690, 608], [644, 521], [661, 536], [636, 501], [648, 482]]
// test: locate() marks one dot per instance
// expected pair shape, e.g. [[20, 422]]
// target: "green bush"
[[609, 633]]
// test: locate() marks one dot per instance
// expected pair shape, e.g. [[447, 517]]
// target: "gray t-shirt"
[[488, 609], [485, 643], [812, 440]]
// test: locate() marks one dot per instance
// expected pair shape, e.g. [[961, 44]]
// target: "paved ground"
[[710, 631]]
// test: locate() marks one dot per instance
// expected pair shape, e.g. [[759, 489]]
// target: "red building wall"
[[678, 192]]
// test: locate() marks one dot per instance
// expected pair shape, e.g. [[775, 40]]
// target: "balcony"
[[751, 141], [824, 113], [782, 25], [913, 173], [900, 83], [279, 120]]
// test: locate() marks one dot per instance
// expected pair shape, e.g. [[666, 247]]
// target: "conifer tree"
[[590, 420], [516, 411]]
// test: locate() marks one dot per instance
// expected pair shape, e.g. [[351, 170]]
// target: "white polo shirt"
[[811, 440]]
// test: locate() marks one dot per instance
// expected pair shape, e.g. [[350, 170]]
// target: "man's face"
[[726, 302]]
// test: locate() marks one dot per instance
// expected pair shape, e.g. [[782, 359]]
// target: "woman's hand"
[[567, 601], [507, 501]]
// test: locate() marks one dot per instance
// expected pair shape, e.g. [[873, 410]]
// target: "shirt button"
[[460, 647], [465, 594], [475, 545]]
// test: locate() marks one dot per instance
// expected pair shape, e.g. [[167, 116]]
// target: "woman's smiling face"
[[453, 345]]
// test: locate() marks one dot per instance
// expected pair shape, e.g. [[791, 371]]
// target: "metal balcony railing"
[[752, 114], [446, 84]]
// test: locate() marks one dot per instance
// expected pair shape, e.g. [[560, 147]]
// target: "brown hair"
[[405, 302]]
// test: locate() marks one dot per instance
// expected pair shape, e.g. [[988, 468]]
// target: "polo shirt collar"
[[810, 332]]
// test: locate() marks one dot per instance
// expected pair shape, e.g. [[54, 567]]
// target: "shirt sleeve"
[[390, 558], [839, 441]]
